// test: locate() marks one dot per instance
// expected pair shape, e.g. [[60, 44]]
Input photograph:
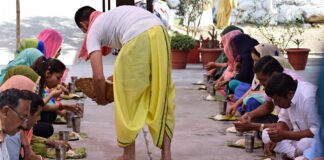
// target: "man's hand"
[[246, 118], [24, 140], [209, 66], [276, 134], [243, 126], [99, 81]]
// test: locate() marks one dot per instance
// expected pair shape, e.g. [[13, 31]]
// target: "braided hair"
[[41, 65]]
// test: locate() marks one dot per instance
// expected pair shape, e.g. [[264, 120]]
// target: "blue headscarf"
[[25, 58]]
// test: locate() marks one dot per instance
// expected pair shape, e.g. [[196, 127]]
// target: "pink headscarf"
[[52, 41], [18, 82], [226, 39], [84, 52]]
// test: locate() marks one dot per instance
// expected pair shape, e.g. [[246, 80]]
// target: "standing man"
[[143, 89]]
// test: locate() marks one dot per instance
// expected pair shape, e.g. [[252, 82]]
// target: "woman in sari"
[[49, 42], [25, 58], [228, 74], [45, 72], [217, 68]]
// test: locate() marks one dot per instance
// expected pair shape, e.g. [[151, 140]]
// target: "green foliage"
[[210, 42], [38, 145], [192, 10], [182, 42], [279, 37], [288, 33], [298, 42]]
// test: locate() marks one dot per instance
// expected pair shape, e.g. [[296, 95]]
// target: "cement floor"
[[195, 136]]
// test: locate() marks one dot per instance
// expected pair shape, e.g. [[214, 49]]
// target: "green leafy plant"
[[282, 36], [211, 41], [192, 11], [182, 42], [285, 36], [298, 42]]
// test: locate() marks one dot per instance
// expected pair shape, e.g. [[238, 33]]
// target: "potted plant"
[[181, 45], [297, 57], [191, 11], [193, 55], [209, 49]]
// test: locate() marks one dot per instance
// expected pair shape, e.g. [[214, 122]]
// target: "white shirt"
[[4, 155], [118, 26], [302, 114], [293, 75], [13, 144]]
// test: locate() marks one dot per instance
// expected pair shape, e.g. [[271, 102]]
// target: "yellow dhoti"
[[143, 89]]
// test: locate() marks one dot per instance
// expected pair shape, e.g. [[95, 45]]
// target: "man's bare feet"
[[129, 153], [166, 148]]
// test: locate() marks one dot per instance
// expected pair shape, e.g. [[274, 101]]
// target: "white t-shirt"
[[118, 26], [302, 114]]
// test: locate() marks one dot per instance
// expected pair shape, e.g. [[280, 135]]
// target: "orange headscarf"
[[84, 52], [18, 82]]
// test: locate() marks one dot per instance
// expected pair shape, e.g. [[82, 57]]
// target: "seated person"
[[49, 42], [216, 69], [266, 112], [25, 58], [241, 48], [23, 140], [298, 119], [254, 97], [46, 73], [228, 49], [14, 110]]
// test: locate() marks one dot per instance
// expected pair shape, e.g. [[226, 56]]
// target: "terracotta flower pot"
[[209, 54], [297, 57], [179, 59], [193, 55]]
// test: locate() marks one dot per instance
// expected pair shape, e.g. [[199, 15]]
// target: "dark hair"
[[36, 101], [83, 14], [229, 29], [41, 65], [243, 45], [267, 65], [280, 84], [11, 97]]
